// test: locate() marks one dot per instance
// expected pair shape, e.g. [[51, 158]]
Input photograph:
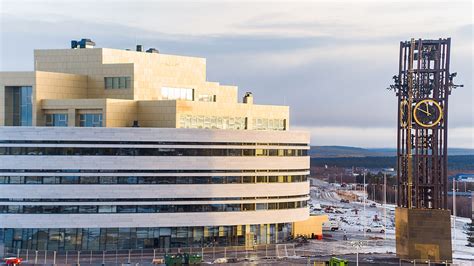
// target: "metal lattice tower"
[[423, 86]]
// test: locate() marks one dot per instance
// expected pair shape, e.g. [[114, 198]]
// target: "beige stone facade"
[[127, 87]]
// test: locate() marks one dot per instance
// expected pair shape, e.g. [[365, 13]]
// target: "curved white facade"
[[60, 178]]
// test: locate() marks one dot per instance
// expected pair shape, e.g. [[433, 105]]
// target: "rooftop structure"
[[120, 88]]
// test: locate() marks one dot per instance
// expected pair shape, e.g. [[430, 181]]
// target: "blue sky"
[[330, 61]]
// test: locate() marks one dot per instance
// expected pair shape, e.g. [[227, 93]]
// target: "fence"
[[146, 256], [304, 253]]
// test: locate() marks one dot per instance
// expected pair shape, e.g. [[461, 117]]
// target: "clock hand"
[[427, 109], [428, 113]]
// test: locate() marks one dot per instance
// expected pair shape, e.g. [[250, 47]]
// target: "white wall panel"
[[152, 162], [153, 191], [151, 219]]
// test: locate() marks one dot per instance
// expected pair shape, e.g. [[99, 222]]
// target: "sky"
[[330, 61]]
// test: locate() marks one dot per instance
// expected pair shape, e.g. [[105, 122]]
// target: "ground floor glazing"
[[61, 239]]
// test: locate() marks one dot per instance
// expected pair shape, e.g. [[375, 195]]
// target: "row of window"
[[213, 122], [268, 124], [84, 120], [75, 200], [51, 209], [148, 142], [206, 98], [117, 82], [113, 239], [149, 151], [135, 171], [151, 179], [168, 93]]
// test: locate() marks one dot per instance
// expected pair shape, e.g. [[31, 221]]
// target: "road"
[[353, 220]]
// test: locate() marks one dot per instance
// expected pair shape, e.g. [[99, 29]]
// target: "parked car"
[[330, 226], [344, 201], [373, 205], [377, 228]]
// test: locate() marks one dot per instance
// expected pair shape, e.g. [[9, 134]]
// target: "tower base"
[[423, 234]]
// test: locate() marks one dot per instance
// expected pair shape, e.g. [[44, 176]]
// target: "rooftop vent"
[[153, 51], [248, 98], [83, 43], [139, 48]]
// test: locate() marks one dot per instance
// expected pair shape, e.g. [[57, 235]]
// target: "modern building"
[[105, 149]]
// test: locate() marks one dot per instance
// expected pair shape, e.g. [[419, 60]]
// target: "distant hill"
[[347, 151], [455, 162]]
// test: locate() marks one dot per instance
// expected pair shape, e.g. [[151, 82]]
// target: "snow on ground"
[[353, 219]]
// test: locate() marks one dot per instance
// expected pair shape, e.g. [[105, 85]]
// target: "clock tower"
[[423, 85]]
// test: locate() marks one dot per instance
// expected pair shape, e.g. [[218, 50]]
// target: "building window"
[[18, 106], [206, 98], [268, 124], [213, 122], [168, 93], [90, 120], [117, 82], [56, 120]]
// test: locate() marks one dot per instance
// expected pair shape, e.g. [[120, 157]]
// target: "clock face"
[[404, 113], [427, 113]]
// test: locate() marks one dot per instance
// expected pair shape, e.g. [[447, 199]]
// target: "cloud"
[[330, 61]]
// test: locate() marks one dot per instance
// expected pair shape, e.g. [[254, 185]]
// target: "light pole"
[[385, 203], [365, 221], [357, 245], [454, 211]]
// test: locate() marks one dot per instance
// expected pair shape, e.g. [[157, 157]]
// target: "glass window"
[[18, 99], [87, 209], [108, 180], [233, 179], [126, 208], [122, 83], [33, 180], [90, 120], [248, 207], [145, 208], [168, 93], [248, 179], [56, 120], [108, 83], [107, 209], [89, 180], [17, 179], [70, 180], [117, 82]]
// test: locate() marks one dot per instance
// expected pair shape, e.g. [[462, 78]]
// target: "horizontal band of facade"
[[165, 162], [157, 174], [101, 151], [147, 191], [25, 202], [151, 219], [152, 134], [152, 180]]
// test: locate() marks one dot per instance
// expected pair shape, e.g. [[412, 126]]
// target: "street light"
[[385, 203], [454, 211], [364, 196], [357, 245]]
